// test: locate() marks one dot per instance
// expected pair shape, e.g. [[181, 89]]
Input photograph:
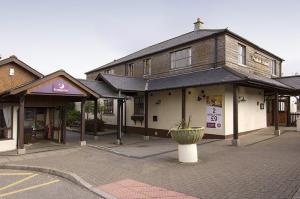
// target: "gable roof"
[[101, 88], [182, 39], [123, 83], [15, 60], [46, 78]]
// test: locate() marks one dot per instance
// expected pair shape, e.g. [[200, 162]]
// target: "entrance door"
[[283, 109], [270, 108]]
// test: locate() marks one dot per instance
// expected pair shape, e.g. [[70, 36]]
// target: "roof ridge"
[[103, 66]]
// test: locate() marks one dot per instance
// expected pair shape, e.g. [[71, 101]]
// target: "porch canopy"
[[53, 90], [213, 76]]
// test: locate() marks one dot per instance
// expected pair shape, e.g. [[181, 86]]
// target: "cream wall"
[[168, 110], [110, 118], [197, 110], [8, 145], [251, 117], [130, 112]]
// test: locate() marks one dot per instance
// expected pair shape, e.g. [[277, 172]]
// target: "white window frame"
[[147, 66], [242, 55], [175, 60]]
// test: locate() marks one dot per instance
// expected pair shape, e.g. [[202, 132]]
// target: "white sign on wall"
[[214, 117]]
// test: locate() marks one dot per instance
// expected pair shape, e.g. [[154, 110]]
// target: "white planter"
[[187, 153], [298, 124]]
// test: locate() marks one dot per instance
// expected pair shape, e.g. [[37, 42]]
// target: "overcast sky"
[[78, 36]]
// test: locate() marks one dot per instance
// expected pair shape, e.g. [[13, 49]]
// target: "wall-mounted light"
[[242, 99], [158, 102]]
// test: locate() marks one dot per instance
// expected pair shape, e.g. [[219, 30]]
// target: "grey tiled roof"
[[101, 88], [260, 79], [200, 78], [212, 76], [182, 39], [292, 81], [125, 83]]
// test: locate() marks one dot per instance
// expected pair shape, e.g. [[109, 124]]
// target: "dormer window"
[[241, 55], [181, 58]]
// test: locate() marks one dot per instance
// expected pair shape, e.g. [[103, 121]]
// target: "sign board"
[[258, 59], [58, 86], [214, 115]]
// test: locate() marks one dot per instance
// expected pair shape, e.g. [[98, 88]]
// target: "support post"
[[276, 122], [21, 149], [288, 111], [95, 119], [63, 124], [183, 102], [235, 140], [125, 116], [119, 125], [82, 124], [146, 133]]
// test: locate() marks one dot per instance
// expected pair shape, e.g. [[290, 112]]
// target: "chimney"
[[198, 24]]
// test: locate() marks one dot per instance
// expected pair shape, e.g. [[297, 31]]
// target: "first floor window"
[[139, 105], [6, 113], [181, 58], [273, 67], [109, 71], [241, 54], [108, 106], [129, 70], [147, 67]]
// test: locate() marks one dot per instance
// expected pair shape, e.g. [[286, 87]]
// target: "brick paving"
[[267, 169], [131, 189]]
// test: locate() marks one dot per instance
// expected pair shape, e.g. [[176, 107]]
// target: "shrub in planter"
[[187, 139], [89, 125]]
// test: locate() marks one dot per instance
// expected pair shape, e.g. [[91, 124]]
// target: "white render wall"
[[8, 145], [197, 110], [168, 109]]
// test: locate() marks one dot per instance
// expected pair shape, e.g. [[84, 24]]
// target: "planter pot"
[[187, 140], [187, 153]]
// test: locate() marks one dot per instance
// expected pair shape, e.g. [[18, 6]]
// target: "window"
[[109, 71], [108, 106], [241, 54], [139, 105], [181, 58], [147, 67], [129, 70], [281, 106], [273, 67], [6, 113]]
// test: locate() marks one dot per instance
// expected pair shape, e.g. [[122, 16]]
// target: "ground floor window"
[[139, 105], [6, 113], [108, 106]]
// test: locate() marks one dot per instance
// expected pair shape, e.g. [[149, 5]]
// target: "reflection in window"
[[6, 113]]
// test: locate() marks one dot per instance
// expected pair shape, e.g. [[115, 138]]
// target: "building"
[[33, 106], [218, 79]]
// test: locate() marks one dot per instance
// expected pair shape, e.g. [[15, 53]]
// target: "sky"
[[80, 35]]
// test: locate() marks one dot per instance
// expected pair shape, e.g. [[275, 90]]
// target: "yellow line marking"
[[28, 188], [15, 174], [18, 182]]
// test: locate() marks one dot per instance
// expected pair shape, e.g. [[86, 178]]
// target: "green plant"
[[184, 134], [73, 118]]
